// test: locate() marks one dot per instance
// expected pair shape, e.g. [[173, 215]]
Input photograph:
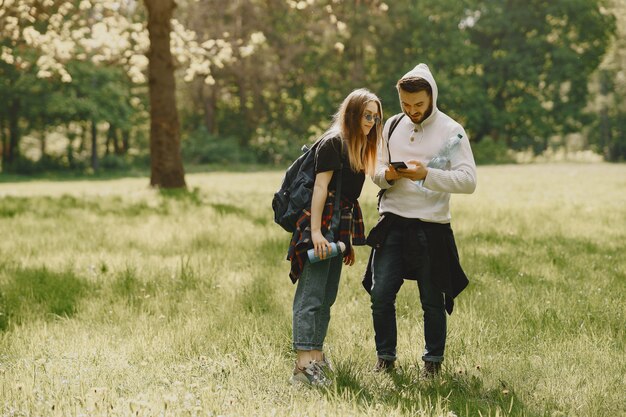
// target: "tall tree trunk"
[[43, 144], [125, 140], [605, 120], [4, 144], [83, 138], [165, 158], [14, 133], [70, 155], [113, 134], [107, 145], [605, 132], [94, 145], [69, 150]]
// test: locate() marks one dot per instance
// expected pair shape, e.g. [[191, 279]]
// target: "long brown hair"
[[347, 122]]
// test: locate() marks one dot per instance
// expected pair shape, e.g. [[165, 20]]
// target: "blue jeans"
[[315, 294], [388, 271]]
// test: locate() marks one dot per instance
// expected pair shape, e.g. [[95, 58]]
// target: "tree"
[[608, 130], [166, 162], [228, 67], [266, 75], [39, 42], [535, 59]]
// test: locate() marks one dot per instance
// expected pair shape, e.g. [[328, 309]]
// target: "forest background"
[[256, 79]]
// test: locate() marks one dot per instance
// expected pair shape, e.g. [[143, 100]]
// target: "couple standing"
[[412, 239]]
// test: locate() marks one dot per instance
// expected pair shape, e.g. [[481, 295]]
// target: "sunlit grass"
[[116, 299]]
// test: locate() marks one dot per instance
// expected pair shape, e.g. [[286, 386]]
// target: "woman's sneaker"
[[326, 364], [313, 374]]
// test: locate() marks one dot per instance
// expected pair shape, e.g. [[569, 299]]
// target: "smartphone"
[[400, 164]]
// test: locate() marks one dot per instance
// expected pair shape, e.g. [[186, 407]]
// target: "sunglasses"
[[369, 117]]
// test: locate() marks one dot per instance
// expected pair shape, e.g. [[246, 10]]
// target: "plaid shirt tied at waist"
[[351, 231]]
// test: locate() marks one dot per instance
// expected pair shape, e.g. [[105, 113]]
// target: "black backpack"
[[296, 191]]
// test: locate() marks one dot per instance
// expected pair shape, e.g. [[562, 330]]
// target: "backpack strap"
[[394, 121]]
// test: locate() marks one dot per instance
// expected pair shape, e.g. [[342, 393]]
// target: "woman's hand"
[[321, 246], [349, 258]]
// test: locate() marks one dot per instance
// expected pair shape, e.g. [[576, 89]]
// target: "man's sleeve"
[[461, 178]]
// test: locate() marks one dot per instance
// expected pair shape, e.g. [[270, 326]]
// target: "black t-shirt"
[[329, 158]]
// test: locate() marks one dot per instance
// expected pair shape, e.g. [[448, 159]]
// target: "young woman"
[[349, 145]]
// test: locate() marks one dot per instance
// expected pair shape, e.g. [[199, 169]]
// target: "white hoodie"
[[431, 202]]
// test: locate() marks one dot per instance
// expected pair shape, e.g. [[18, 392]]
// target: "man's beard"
[[421, 117]]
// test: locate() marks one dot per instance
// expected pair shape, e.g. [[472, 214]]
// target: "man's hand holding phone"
[[398, 165], [416, 172], [392, 174]]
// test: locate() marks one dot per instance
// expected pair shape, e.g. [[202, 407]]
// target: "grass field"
[[116, 299]]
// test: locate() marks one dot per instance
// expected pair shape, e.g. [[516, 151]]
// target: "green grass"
[[116, 299], [130, 172]]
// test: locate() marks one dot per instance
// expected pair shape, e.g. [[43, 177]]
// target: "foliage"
[[608, 130], [66, 61], [114, 162], [536, 59], [279, 147], [47, 164], [270, 74], [200, 147], [608, 135], [488, 151], [42, 46], [506, 70]]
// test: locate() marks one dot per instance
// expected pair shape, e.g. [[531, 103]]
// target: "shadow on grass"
[[272, 250], [132, 173], [182, 195], [463, 394], [33, 293], [46, 207], [515, 253], [229, 209], [63, 176], [233, 210], [258, 296]]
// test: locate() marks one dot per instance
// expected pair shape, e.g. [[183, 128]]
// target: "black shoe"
[[430, 369], [384, 365]]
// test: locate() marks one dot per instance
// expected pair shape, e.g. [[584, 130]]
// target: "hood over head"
[[422, 71]]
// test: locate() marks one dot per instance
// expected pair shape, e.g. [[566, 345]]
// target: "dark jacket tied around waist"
[[351, 231], [425, 243]]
